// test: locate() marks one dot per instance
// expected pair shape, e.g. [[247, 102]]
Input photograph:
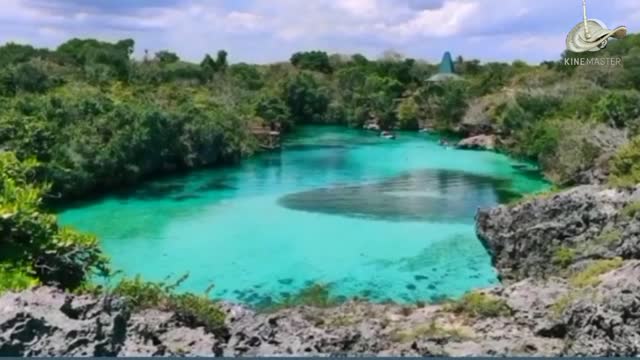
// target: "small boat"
[[388, 135], [425, 130]]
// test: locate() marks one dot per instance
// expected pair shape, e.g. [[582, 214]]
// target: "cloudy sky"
[[270, 30]]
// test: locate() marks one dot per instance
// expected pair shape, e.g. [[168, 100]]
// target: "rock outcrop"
[[48, 322], [606, 320], [534, 238], [590, 237], [479, 142]]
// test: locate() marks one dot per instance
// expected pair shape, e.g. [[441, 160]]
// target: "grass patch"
[[191, 309], [342, 320], [560, 306], [590, 276], [563, 257], [479, 305], [315, 295], [608, 237], [431, 330], [545, 194], [631, 209]]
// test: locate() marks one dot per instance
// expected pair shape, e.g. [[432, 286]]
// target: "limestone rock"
[[479, 142], [524, 239]]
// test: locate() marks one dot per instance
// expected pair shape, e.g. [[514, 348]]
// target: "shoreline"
[[424, 298]]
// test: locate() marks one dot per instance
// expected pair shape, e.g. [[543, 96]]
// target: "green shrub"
[[625, 165], [142, 294], [197, 310], [316, 295], [451, 104], [590, 276], [408, 114], [544, 194], [560, 306], [191, 309], [430, 330], [29, 236], [563, 257], [631, 209], [575, 150], [618, 108], [16, 278], [480, 305], [609, 237]]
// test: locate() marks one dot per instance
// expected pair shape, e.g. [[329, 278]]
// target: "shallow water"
[[384, 219]]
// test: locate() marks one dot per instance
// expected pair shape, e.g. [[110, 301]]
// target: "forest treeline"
[[87, 117], [96, 119]]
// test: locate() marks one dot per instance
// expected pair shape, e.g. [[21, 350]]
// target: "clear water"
[[384, 219]]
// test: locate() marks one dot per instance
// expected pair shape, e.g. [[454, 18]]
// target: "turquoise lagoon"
[[375, 218]]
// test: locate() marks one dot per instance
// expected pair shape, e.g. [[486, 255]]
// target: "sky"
[[262, 31]]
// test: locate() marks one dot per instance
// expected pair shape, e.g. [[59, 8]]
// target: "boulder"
[[479, 142]]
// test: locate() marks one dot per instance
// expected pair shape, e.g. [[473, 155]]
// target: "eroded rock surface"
[[47, 321], [589, 221]]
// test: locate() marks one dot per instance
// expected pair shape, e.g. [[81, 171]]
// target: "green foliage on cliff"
[[15, 277], [631, 210], [590, 276], [191, 309], [478, 304], [563, 257], [608, 237], [33, 248], [431, 330], [316, 295], [618, 108], [625, 166]]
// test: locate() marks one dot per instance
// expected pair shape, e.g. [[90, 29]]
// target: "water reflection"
[[425, 195]]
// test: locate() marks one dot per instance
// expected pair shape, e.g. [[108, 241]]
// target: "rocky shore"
[[571, 286]]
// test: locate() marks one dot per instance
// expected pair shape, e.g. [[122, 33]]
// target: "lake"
[[371, 217]]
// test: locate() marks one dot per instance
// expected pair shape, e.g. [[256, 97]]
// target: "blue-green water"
[[385, 219]]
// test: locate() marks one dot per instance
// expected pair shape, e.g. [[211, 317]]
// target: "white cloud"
[[445, 21], [244, 20], [360, 8], [267, 30]]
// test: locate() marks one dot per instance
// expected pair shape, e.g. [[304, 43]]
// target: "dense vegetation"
[[86, 118], [97, 119], [33, 249]]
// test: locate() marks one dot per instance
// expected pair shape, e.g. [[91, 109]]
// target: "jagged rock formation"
[[588, 221], [49, 322], [606, 320]]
